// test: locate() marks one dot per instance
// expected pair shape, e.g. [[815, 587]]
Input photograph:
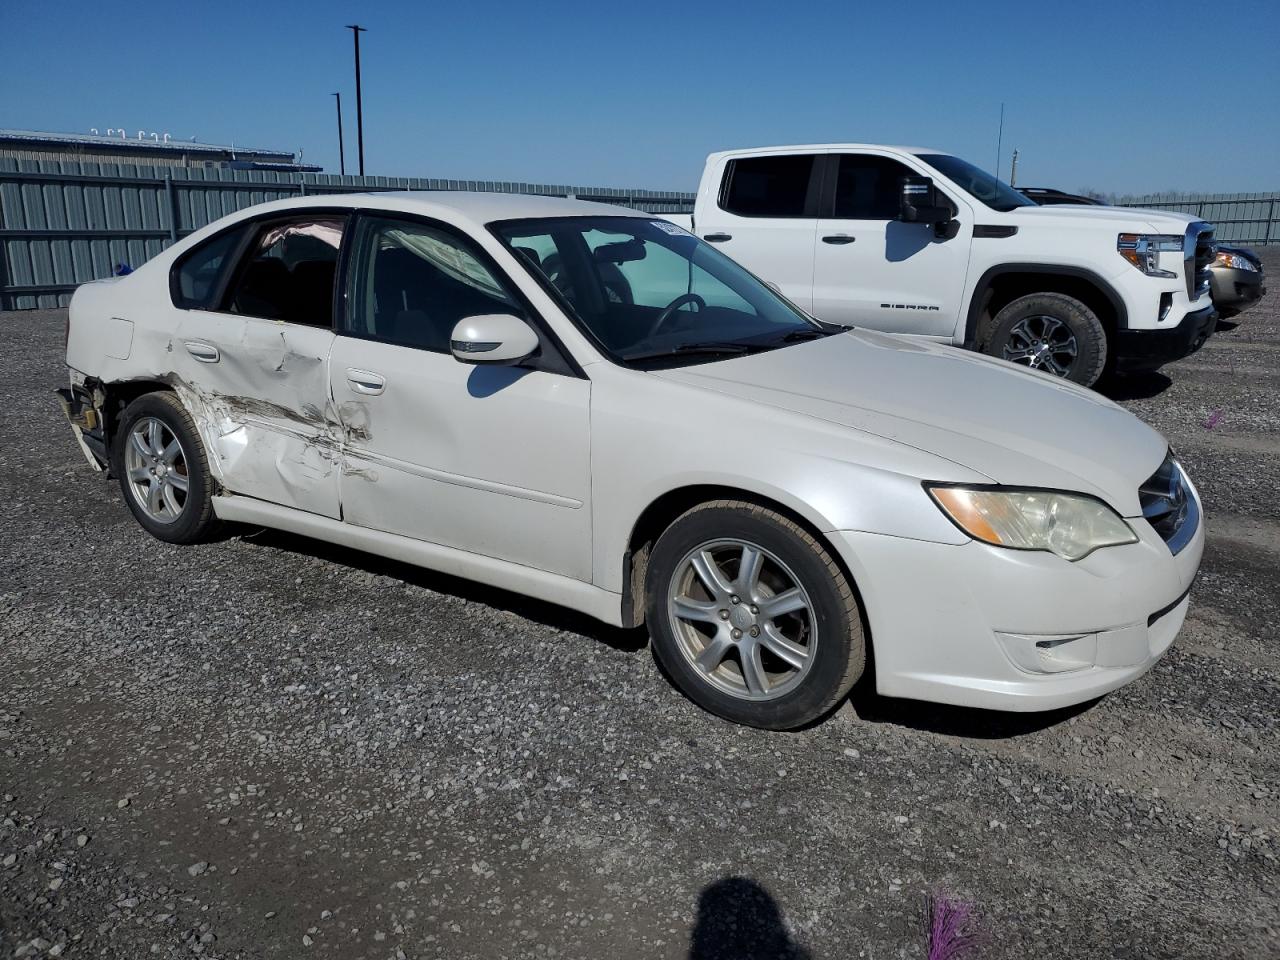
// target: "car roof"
[[822, 147], [453, 205]]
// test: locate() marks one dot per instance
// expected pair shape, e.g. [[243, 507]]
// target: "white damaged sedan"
[[591, 406]]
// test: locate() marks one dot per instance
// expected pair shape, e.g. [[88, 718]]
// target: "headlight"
[[1143, 251], [1234, 261], [1068, 524]]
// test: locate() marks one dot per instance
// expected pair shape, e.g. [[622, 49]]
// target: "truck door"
[[871, 269], [763, 214]]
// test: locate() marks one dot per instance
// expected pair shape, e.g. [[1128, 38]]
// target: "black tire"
[[195, 521], [839, 653], [1014, 329]]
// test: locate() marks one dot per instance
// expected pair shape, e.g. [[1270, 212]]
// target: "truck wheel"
[[751, 617], [164, 474], [1050, 332]]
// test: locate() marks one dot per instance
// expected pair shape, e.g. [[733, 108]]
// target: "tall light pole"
[[999, 138], [342, 153], [356, 30]]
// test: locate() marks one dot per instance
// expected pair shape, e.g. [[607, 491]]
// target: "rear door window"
[[769, 186], [289, 272]]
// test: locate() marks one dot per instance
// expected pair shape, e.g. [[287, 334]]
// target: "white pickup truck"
[[915, 241]]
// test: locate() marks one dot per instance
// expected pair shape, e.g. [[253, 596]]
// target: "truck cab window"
[[290, 273], [768, 186], [868, 187]]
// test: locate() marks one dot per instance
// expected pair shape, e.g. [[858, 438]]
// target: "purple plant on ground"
[[952, 927], [1213, 420]]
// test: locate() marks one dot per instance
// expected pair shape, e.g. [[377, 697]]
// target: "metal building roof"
[[98, 140]]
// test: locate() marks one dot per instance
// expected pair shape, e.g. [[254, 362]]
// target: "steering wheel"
[[669, 310]]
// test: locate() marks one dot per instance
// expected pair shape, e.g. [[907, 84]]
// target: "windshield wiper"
[[708, 346], [809, 333]]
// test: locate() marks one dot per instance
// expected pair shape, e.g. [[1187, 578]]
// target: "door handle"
[[365, 381], [838, 238], [204, 352], [716, 237]]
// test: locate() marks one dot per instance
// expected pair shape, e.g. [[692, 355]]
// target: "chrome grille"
[[1169, 505], [1199, 252]]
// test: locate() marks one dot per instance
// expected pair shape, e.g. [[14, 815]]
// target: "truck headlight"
[[1069, 524], [1234, 261], [1143, 251]]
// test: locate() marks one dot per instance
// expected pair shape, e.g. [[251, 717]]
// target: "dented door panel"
[[259, 392], [493, 460]]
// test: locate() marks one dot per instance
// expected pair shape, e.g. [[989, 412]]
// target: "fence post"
[[1271, 219], [170, 196]]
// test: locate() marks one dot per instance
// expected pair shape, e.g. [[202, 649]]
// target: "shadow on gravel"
[[547, 614], [957, 721], [1135, 386], [739, 920]]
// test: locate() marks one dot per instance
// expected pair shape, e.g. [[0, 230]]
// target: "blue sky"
[[1124, 97]]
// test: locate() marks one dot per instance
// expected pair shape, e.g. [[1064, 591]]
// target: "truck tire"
[[160, 461], [751, 616], [1051, 332]]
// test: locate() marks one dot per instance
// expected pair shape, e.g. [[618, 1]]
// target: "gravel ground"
[[268, 747]]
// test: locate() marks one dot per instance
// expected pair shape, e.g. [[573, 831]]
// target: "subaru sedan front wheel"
[[752, 617]]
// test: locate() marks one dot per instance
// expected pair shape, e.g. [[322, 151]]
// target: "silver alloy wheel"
[[742, 619], [1043, 343], [156, 466]]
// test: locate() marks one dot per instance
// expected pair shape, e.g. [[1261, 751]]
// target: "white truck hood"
[[1132, 218], [1016, 426]]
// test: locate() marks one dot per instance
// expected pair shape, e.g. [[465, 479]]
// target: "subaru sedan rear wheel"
[[752, 617], [163, 472]]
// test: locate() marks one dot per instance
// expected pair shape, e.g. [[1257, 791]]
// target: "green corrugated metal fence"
[[1248, 219], [63, 223]]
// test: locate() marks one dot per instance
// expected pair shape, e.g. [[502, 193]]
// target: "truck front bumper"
[[1148, 349]]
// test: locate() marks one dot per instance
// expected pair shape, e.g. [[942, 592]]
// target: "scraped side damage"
[[264, 408]]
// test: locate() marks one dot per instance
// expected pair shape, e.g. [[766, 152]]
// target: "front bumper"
[[981, 626], [1149, 349], [1235, 290]]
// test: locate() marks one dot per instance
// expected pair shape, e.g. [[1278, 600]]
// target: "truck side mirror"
[[920, 203]]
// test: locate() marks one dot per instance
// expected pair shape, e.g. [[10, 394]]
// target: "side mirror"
[[919, 202], [497, 338]]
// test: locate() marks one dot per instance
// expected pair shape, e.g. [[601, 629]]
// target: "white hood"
[[1013, 425], [1136, 219]]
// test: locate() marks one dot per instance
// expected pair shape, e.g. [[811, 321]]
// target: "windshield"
[[995, 193], [648, 291]]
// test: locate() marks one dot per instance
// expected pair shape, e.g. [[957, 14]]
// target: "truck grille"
[[1199, 251], [1169, 505]]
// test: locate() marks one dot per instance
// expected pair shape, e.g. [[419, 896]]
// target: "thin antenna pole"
[[342, 153], [356, 30], [1000, 139]]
